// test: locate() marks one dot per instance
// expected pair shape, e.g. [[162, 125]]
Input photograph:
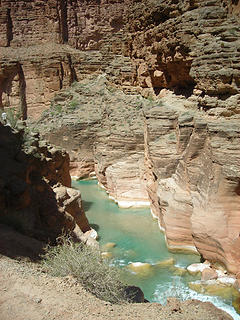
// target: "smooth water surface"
[[138, 239]]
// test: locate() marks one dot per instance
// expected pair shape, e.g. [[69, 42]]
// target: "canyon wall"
[[181, 159], [193, 171], [36, 194], [46, 46], [192, 144], [147, 44], [99, 126], [179, 147]]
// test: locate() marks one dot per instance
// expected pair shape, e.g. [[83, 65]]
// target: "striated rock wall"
[[36, 194], [99, 126], [151, 44], [55, 43], [82, 24], [192, 164], [187, 45], [181, 159]]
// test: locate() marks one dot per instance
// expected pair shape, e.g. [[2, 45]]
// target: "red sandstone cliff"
[[45, 46], [192, 164]]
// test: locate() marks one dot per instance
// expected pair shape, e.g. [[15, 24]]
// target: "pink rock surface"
[[209, 274], [196, 190]]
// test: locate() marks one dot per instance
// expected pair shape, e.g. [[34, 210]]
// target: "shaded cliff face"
[[36, 194]]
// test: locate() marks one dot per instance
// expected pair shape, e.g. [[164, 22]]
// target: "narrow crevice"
[[22, 93], [157, 90], [61, 76], [185, 89], [63, 21], [9, 28], [6, 86], [73, 75]]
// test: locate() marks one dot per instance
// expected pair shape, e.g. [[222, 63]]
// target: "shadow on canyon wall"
[[18, 246]]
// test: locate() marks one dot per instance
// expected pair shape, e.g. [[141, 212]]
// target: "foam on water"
[[176, 288]]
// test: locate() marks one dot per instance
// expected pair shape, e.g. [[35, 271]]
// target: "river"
[[133, 236]]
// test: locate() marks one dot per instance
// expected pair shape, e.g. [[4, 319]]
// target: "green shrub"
[[139, 105], [58, 108], [45, 114], [172, 136], [85, 264], [73, 104]]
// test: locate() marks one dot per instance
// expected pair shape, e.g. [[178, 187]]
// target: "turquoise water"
[[137, 238]]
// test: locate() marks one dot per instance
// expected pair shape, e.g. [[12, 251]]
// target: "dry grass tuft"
[[85, 264]]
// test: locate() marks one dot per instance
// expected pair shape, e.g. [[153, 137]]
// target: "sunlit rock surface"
[[193, 179]]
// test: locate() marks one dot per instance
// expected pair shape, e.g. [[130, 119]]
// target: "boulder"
[[134, 294], [165, 263], [140, 268], [209, 274]]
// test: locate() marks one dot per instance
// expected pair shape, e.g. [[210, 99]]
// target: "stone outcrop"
[[46, 46], [99, 127], [36, 197], [184, 45]]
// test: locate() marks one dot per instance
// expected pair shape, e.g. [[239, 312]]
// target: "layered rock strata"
[[187, 45], [193, 172], [186, 161], [46, 46], [182, 46], [36, 194], [100, 128]]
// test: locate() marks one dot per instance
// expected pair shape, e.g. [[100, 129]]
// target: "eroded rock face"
[[181, 159], [182, 46], [46, 46], [185, 45], [193, 180], [36, 197], [99, 126]]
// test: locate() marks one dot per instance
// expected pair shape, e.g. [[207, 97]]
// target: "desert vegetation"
[[84, 263]]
